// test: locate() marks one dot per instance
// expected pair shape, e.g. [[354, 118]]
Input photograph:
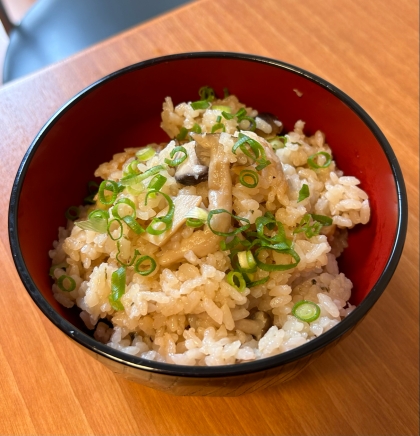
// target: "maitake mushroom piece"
[[203, 242]]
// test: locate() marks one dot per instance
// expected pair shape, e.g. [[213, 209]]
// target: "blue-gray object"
[[55, 29]]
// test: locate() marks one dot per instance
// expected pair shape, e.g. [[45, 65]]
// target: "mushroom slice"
[[183, 204], [268, 125], [191, 171], [203, 242]]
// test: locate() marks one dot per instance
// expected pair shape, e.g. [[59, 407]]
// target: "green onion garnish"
[[145, 153], [195, 128], [196, 217], [303, 193], [126, 202], [233, 232], [248, 174], [157, 182], [133, 224], [252, 123], [236, 280], [277, 142], [111, 186], [137, 178], [246, 260], [254, 151], [166, 220], [200, 104], [241, 113], [182, 134], [222, 108], [227, 115], [217, 127], [306, 311], [313, 164], [63, 265], [117, 288], [72, 213], [147, 271], [92, 188], [70, 286], [136, 253], [258, 282], [110, 231], [206, 93], [277, 267], [97, 221], [312, 228], [177, 161]]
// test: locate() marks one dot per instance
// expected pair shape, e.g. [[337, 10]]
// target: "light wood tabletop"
[[368, 384]]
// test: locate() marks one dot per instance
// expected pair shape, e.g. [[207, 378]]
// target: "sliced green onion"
[[133, 224], [206, 93], [111, 186], [277, 142], [233, 232], [166, 220], [258, 282], [277, 267], [72, 213], [201, 104], [177, 161], [227, 115], [303, 193], [323, 219], [252, 123], [196, 217], [241, 113], [111, 231], [217, 127], [145, 153], [136, 179], [313, 164], [306, 311], [254, 152], [127, 202], [147, 271], [92, 188], [117, 288], [136, 253], [195, 128], [222, 108], [246, 260], [71, 284], [279, 239], [236, 280], [62, 265], [157, 182], [97, 221], [182, 134], [248, 174], [218, 119]]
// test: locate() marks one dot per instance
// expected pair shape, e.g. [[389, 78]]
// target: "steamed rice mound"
[[185, 311]]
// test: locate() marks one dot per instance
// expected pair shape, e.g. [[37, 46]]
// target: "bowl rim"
[[255, 366]]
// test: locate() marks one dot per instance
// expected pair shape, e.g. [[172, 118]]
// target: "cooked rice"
[[187, 313]]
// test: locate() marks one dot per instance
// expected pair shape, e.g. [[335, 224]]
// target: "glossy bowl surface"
[[123, 110]]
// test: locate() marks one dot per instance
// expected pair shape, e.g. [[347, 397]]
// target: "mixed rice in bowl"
[[217, 247]]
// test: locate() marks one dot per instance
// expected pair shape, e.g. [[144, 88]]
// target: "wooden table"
[[366, 385]]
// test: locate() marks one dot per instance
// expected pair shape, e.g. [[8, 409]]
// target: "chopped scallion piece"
[[206, 93], [252, 123], [222, 108], [165, 220], [195, 128], [66, 283], [245, 175], [254, 151], [127, 203], [182, 134], [148, 270], [312, 228], [314, 165], [233, 232], [196, 217], [63, 265], [227, 115], [201, 104], [110, 186], [72, 213], [97, 221], [157, 182], [92, 188], [246, 260], [217, 127], [303, 193], [136, 253], [277, 142], [178, 160], [117, 288], [277, 267], [145, 153], [136, 179], [306, 311], [111, 231], [236, 280], [133, 224]]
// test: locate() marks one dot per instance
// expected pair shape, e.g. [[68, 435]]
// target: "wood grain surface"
[[368, 384]]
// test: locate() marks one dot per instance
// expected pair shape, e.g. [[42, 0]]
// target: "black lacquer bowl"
[[123, 110]]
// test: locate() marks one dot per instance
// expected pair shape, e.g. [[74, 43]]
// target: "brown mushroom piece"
[[203, 242], [192, 171], [264, 320], [272, 125]]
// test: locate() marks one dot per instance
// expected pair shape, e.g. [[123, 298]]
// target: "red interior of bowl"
[[125, 112]]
